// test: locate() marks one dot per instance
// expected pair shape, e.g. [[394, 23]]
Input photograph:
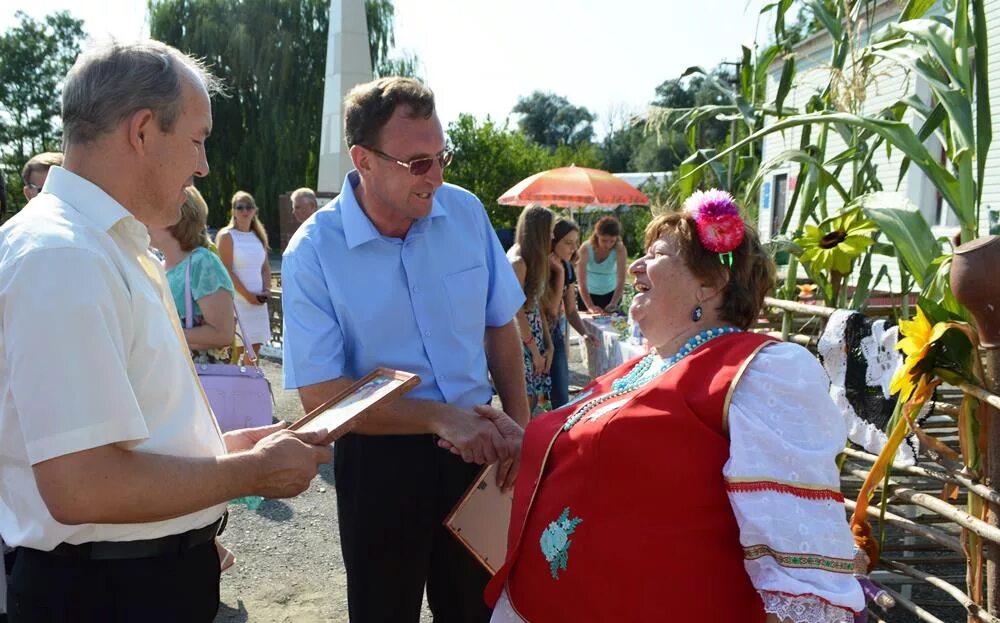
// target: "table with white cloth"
[[611, 350]]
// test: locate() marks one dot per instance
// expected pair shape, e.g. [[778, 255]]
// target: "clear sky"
[[479, 56]]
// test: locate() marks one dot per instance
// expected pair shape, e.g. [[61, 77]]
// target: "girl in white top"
[[243, 249]]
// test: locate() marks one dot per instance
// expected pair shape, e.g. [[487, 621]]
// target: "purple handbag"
[[239, 395]]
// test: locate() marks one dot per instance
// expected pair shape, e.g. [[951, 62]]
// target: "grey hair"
[[308, 193], [110, 82]]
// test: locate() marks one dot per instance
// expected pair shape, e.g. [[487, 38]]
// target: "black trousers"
[[393, 494], [46, 588], [600, 300]]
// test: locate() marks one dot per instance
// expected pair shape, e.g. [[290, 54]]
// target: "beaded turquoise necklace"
[[637, 376]]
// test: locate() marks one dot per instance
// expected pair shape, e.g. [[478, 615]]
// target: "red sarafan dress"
[[625, 515]]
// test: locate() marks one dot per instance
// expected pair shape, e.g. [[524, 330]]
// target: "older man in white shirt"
[[113, 473]]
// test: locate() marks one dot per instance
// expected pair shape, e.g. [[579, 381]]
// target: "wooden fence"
[[925, 533]]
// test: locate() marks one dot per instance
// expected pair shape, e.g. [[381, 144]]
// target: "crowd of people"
[[697, 482]]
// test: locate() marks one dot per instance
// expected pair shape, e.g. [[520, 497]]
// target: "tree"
[[381, 18], [34, 58], [272, 56], [490, 158], [550, 120]]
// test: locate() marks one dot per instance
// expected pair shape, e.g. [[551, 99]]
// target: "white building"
[[890, 84]]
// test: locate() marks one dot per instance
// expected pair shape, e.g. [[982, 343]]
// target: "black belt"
[[149, 548]]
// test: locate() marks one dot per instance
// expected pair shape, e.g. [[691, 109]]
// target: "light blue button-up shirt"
[[354, 300]]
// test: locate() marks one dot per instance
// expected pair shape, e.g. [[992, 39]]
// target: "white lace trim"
[[804, 609], [831, 347]]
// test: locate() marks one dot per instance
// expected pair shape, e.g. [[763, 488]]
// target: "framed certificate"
[[481, 518], [341, 413]]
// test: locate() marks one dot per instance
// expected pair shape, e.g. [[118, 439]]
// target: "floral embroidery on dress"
[[555, 542]]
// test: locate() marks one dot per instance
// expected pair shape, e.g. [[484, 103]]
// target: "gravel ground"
[[288, 563]]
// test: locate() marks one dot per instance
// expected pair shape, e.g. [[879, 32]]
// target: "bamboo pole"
[[799, 308], [946, 510], [940, 474], [988, 417], [932, 534], [913, 608], [972, 607], [795, 338]]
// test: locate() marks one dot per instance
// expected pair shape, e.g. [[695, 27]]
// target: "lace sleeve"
[[784, 487]]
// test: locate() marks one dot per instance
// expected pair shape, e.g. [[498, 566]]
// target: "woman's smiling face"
[[666, 289]]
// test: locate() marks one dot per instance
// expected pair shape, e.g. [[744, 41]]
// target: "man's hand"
[[513, 434], [288, 461], [246, 438], [474, 438]]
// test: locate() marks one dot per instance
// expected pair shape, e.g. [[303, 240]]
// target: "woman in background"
[[601, 268], [243, 249], [560, 304], [530, 259], [188, 259]]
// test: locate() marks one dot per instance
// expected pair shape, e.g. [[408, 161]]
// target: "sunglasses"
[[243, 207], [417, 166]]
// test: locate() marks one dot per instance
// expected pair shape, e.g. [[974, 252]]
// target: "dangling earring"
[[696, 313]]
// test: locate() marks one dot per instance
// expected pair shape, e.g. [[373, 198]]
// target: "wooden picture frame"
[[481, 519], [340, 413]]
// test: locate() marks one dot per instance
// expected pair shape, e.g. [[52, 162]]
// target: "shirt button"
[[416, 289], [427, 333]]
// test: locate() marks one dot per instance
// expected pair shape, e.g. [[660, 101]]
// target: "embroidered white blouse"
[[783, 482]]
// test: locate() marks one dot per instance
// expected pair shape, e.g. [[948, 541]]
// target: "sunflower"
[[918, 341], [833, 245]]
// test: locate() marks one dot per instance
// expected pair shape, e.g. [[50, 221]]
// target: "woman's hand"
[[611, 308], [555, 264], [595, 310], [537, 360], [549, 356]]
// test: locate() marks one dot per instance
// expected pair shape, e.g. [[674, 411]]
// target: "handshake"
[[485, 435]]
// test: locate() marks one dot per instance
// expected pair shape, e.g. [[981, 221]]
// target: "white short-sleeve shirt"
[[89, 357]]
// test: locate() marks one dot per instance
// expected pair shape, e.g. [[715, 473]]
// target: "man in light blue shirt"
[[406, 272]]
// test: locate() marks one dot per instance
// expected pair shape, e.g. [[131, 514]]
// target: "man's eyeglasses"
[[243, 207], [417, 166]]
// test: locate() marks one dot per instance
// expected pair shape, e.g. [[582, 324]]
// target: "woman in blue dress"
[[530, 259]]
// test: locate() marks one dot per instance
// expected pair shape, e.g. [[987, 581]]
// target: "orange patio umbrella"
[[573, 187]]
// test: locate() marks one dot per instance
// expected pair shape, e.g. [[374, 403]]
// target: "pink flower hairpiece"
[[720, 227]]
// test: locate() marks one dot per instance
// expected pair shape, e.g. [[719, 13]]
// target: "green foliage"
[[490, 158], [550, 120], [381, 18], [272, 56], [34, 58], [634, 220]]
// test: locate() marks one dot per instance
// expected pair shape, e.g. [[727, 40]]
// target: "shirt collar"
[[358, 228], [95, 205]]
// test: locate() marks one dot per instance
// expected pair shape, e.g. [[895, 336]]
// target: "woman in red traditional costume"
[[697, 483]]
